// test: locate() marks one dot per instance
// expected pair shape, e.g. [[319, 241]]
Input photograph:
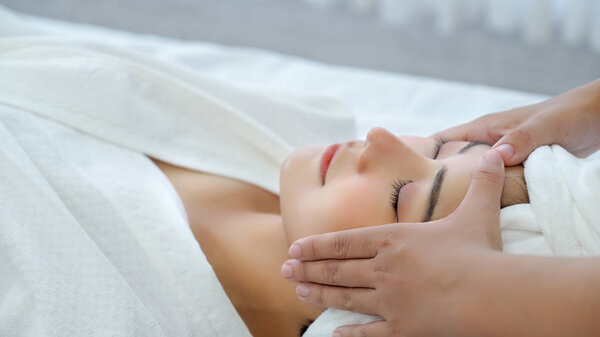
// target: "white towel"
[[162, 110], [562, 218], [93, 242], [93, 239]]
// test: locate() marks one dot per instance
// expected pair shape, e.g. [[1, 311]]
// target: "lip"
[[326, 159]]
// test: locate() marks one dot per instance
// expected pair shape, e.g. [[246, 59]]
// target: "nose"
[[383, 147], [356, 143], [378, 135]]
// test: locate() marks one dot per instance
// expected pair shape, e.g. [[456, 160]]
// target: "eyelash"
[[398, 184], [396, 187]]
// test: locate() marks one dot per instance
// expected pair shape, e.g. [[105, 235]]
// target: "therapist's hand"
[[571, 120], [417, 276]]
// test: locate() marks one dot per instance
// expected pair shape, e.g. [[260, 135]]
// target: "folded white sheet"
[[86, 252], [164, 111], [94, 237]]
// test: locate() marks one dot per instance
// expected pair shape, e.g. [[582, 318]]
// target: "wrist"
[[574, 118], [585, 99], [470, 302], [519, 295], [595, 96]]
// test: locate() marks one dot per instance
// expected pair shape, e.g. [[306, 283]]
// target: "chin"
[[301, 167], [299, 177]]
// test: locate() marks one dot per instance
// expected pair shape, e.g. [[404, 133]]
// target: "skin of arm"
[[571, 120], [540, 296], [514, 295]]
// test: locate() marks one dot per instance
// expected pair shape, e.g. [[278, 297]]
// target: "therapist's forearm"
[[531, 296]]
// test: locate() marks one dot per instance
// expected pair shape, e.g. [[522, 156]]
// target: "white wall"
[[536, 22]]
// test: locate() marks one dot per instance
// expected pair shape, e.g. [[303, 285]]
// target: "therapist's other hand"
[[571, 120], [414, 275]]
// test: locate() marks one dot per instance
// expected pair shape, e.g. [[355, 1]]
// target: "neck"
[[515, 188]]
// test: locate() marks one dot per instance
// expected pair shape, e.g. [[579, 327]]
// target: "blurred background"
[[540, 46]]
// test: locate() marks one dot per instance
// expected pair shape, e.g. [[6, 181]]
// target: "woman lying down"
[[385, 179], [89, 115]]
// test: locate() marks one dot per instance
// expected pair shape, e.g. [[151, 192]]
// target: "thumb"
[[487, 183], [481, 206], [516, 145]]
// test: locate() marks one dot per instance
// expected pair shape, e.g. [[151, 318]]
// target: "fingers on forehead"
[[460, 132], [474, 130]]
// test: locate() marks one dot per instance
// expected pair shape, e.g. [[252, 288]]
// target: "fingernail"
[[506, 150], [302, 290], [295, 251], [492, 157], [336, 334], [286, 270]]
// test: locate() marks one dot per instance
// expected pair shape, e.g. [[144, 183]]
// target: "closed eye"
[[398, 184], [396, 187]]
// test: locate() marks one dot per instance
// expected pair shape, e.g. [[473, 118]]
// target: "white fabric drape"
[[93, 237], [572, 22]]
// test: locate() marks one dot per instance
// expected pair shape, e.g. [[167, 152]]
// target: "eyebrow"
[[434, 193], [436, 187], [470, 145]]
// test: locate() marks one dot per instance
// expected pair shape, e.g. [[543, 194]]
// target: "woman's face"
[[385, 179]]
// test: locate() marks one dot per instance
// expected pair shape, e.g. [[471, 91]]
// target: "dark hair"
[[305, 327]]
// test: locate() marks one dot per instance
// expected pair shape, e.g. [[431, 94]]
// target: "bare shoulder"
[[201, 190]]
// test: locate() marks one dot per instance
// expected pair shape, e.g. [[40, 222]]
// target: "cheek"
[[351, 203], [354, 206], [299, 169]]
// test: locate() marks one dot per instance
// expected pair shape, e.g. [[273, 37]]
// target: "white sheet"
[[78, 118], [85, 253], [407, 105], [164, 111]]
